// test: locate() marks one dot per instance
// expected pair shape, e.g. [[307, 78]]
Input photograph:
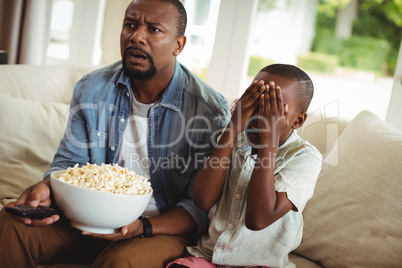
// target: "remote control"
[[27, 211]]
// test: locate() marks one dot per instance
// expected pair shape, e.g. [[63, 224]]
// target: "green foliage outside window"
[[318, 62], [256, 64], [359, 52], [376, 35]]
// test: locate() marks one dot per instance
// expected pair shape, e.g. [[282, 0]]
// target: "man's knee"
[[155, 251], [9, 226], [13, 251]]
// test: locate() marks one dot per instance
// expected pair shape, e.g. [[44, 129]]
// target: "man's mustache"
[[141, 50]]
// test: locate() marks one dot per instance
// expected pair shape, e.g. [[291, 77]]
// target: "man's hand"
[[273, 115], [35, 195], [134, 229]]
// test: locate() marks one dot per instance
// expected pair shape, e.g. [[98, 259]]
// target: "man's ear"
[[180, 43], [301, 118]]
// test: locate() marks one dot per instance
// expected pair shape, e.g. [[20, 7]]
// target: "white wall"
[[230, 58], [83, 45], [112, 23], [86, 32]]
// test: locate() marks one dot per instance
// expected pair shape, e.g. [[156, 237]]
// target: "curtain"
[[24, 30]]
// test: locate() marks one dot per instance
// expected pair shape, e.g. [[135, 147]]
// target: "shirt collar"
[[171, 97], [124, 80]]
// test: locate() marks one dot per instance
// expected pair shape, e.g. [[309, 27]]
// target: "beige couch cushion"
[[40, 83], [29, 137], [322, 130], [354, 217]]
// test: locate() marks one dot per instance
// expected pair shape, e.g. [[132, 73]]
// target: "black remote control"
[[27, 211]]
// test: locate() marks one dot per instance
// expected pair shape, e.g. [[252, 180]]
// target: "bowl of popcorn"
[[100, 198]]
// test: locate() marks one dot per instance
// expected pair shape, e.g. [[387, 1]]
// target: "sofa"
[[353, 219]]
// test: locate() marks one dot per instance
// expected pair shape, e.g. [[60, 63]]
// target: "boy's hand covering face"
[[261, 111], [247, 105], [273, 115]]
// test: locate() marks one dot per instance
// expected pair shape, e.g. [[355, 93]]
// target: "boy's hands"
[[247, 104], [273, 115]]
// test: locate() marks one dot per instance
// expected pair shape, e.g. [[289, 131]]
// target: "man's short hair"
[[305, 89], [181, 16]]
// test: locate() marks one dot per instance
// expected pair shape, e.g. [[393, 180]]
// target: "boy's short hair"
[[181, 16], [305, 89]]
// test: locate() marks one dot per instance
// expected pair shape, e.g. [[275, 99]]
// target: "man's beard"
[[139, 75]]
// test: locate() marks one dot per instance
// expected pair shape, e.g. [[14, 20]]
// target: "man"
[[147, 95]]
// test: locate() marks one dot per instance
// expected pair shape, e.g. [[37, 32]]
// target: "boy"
[[259, 177]]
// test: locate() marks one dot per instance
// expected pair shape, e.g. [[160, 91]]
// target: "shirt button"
[[128, 94], [230, 226], [247, 168], [98, 134], [238, 196], [112, 148], [122, 120], [217, 250]]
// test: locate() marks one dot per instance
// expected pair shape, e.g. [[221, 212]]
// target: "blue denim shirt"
[[182, 132]]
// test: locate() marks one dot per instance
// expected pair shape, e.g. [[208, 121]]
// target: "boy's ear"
[[301, 118]]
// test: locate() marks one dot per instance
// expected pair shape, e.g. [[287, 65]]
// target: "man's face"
[[148, 40]]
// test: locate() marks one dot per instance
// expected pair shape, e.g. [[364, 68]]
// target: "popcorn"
[[107, 178]]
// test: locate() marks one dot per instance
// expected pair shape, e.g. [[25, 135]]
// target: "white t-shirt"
[[133, 150]]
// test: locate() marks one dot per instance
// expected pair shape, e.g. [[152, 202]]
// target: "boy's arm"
[[210, 178], [264, 204], [208, 182]]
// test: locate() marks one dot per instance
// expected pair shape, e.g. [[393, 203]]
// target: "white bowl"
[[95, 211]]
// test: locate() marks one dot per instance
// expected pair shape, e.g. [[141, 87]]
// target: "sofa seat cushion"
[[29, 137], [354, 217], [302, 262]]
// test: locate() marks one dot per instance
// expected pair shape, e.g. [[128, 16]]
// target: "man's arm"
[[74, 145], [175, 222]]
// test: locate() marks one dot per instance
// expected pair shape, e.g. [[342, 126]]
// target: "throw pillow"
[[354, 217], [29, 137]]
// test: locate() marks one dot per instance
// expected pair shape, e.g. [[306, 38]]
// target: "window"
[[75, 32], [202, 16], [60, 29]]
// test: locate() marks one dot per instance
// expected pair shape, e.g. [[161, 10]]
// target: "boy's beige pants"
[[23, 246]]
